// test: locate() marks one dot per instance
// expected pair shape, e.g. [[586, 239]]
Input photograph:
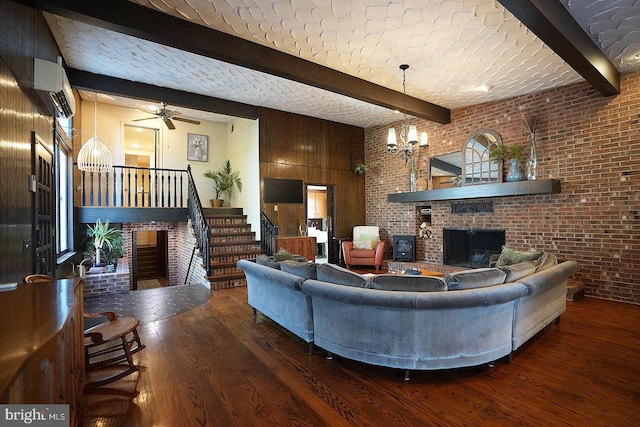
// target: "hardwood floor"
[[216, 366]]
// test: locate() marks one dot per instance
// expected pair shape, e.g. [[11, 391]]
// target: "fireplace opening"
[[468, 247]]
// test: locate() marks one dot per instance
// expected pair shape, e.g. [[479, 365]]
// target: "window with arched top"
[[477, 167]]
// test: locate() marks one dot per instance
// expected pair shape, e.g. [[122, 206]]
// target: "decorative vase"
[[413, 176], [532, 163], [514, 171]]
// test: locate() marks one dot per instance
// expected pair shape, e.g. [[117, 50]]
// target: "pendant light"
[[409, 140], [94, 156]]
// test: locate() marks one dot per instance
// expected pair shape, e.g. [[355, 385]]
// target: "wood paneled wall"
[[317, 152], [24, 36]]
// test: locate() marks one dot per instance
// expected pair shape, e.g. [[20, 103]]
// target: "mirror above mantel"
[[471, 166]]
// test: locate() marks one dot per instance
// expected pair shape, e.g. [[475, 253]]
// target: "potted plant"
[[225, 180], [111, 254], [101, 234], [512, 153], [361, 168]]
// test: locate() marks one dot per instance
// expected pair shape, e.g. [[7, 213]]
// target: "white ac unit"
[[50, 77]]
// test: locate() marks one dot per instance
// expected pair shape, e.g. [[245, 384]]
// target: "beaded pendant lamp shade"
[[94, 156]]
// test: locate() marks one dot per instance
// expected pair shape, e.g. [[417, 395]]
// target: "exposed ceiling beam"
[[139, 21], [554, 25], [114, 86]]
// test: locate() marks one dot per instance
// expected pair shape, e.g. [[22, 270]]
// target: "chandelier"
[[94, 156], [408, 133]]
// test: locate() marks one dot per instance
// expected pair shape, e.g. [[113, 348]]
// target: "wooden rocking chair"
[[108, 346]]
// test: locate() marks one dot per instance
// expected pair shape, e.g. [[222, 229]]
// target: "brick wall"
[[588, 142], [180, 248]]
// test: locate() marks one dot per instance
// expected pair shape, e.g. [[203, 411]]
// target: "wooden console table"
[[304, 246]]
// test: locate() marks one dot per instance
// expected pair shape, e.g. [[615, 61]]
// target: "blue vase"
[[514, 172]]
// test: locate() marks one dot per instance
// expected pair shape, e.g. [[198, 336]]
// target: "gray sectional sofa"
[[469, 318]]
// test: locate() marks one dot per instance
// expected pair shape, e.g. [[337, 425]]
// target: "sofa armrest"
[[550, 277], [257, 273], [347, 246], [379, 253]]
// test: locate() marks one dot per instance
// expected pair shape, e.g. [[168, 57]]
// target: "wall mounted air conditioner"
[[51, 78]]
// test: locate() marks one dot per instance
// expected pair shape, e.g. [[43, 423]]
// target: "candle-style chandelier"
[[409, 141]]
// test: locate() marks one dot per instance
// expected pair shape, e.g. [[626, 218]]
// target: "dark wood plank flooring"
[[216, 365]]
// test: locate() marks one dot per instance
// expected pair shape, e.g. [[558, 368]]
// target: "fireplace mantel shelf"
[[480, 191]]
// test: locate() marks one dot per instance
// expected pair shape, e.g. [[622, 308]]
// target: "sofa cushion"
[[545, 261], [478, 278], [396, 282], [268, 261], [302, 269], [510, 256], [518, 271], [335, 274], [362, 244], [282, 255]]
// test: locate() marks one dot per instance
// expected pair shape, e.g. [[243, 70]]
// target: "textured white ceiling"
[[452, 46]]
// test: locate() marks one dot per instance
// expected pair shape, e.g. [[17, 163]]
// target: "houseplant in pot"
[[225, 180], [360, 169], [100, 234]]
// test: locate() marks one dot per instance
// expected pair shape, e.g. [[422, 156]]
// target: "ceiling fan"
[[167, 116]]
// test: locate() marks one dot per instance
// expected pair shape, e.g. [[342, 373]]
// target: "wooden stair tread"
[[234, 243], [226, 277], [216, 265]]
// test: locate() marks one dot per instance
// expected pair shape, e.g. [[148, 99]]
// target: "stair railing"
[[268, 234], [199, 222]]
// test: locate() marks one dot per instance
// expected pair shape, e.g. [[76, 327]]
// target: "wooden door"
[[43, 185]]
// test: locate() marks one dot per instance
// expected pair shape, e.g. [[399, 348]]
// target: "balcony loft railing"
[[135, 187]]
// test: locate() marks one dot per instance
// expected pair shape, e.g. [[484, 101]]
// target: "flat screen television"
[[283, 190]]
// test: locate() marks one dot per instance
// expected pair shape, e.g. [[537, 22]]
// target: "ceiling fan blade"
[[169, 123], [146, 118], [182, 119]]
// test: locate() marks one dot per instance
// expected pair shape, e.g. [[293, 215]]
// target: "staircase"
[[231, 240], [147, 262]]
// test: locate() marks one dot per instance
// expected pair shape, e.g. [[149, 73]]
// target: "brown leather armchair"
[[365, 249]]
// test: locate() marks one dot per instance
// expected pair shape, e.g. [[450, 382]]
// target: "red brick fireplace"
[[589, 143]]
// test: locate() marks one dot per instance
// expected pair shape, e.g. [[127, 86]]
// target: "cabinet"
[[305, 246], [42, 345]]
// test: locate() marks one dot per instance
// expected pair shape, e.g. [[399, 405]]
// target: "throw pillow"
[[267, 261], [362, 244], [283, 255], [302, 269], [335, 274], [545, 261], [518, 271], [478, 278], [510, 256], [396, 282]]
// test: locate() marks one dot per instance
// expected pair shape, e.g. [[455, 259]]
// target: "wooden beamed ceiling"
[[552, 23], [121, 87]]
